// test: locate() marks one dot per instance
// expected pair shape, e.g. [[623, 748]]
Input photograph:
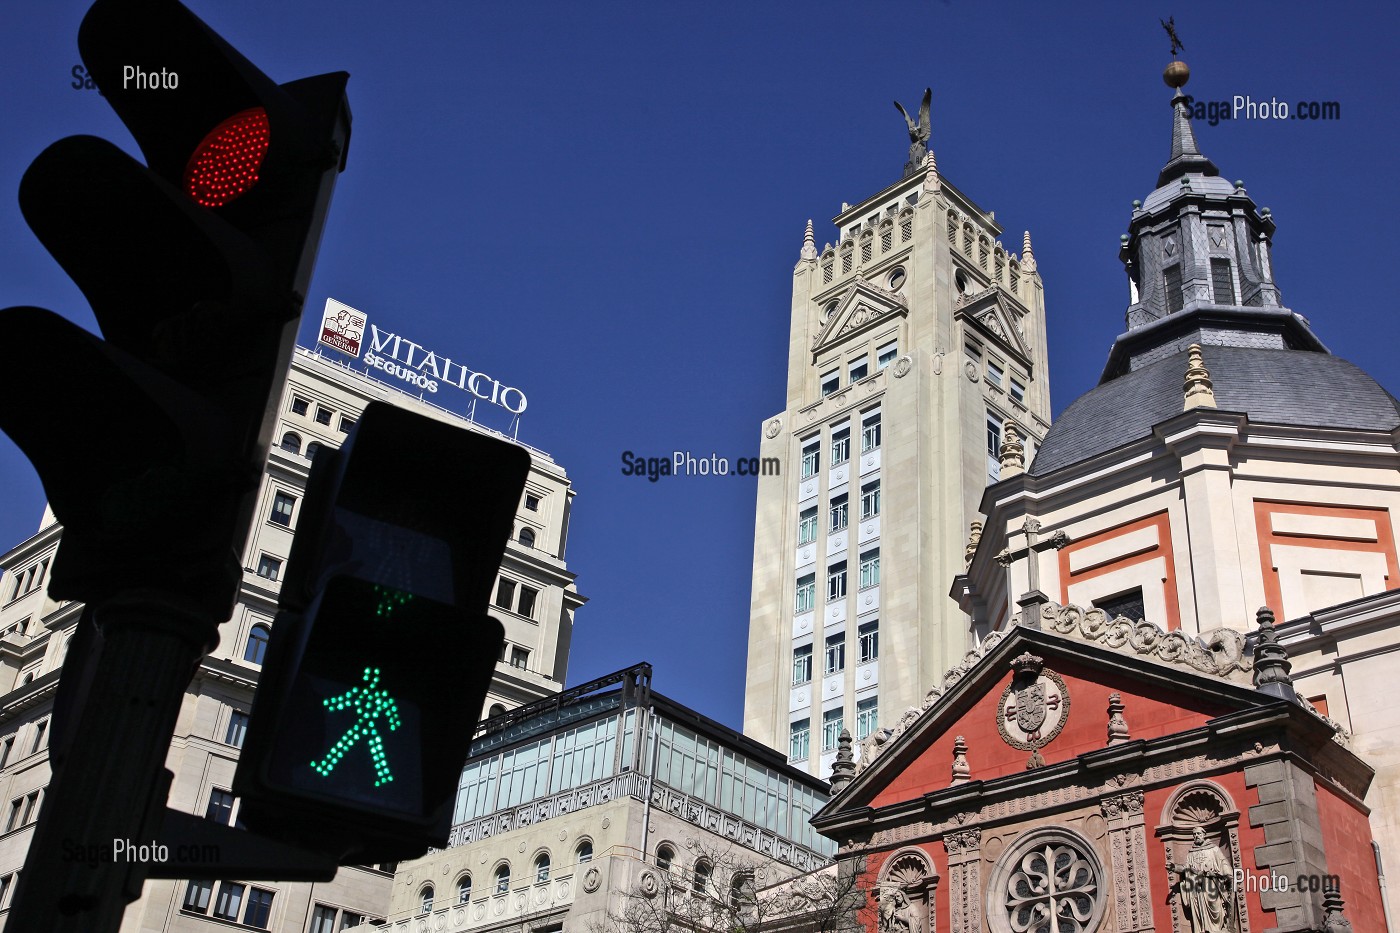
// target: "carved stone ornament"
[[902, 366], [1220, 651], [774, 426], [971, 369], [1122, 805], [1048, 873], [1034, 706], [591, 880], [649, 885]]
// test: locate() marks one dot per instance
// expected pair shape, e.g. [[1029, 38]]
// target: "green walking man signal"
[[370, 703]]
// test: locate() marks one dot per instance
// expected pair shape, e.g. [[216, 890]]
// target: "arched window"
[[665, 855], [542, 868], [291, 442], [464, 889], [702, 876], [503, 879], [527, 537], [496, 710], [311, 449], [585, 852], [741, 892], [425, 899], [257, 644]]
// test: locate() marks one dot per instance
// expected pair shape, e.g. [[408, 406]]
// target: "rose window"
[[1047, 882]]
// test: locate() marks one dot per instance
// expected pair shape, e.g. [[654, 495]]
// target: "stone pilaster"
[[965, 879], [1127, 845]]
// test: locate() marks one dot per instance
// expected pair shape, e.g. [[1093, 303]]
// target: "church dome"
[[1299, 388]]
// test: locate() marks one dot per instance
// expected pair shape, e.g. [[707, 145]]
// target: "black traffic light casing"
[[150, 441], [382, 653]]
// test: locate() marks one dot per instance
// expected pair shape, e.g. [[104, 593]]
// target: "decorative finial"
[[918, 134], [1027, 254], [1271, 664], [1027, 664], [1117, 725], [1200, 391], [932, 182], [1013, 453], [1176, 74], [961, 772], [844, 767], [974, 537], [1333, 920], [809, 245]]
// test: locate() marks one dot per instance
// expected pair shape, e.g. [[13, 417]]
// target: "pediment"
[[998, 319], [861, 307]]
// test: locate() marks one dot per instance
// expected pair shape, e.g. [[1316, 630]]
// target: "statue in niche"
[[1205, 886], [897, 913]]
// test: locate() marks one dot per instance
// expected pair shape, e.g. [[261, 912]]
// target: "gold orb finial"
[[1176, 74]]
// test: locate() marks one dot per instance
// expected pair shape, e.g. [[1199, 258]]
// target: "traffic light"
[[382, 652], [150, 442]]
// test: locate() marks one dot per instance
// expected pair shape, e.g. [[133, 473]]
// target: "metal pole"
[[110, 784]]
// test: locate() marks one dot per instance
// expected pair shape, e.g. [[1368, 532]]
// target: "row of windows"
[[39, 742], [868, 645], [291, 442], [858, 368], [324, 416], [501, 881], [702, 872], [995, 374], [840, 445], [27, 581], [519, 657], [839, 513], [323, 919], [833, 722], [1222, 284], [23, 810], [521, 604], [806, 596], [236, 902]]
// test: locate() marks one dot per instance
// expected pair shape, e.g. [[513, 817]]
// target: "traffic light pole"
[[111, 784]]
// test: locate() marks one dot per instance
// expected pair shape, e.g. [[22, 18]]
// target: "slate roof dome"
[[1302, 388]]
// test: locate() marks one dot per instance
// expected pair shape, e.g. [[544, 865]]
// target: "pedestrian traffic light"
[[150, 442], [382, 652]]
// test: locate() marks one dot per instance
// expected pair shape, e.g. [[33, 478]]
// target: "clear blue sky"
[[601, 203]]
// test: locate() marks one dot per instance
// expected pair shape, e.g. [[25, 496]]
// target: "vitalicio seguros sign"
[[343, 329]]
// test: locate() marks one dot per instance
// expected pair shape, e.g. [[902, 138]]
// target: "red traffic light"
[[225, 163]]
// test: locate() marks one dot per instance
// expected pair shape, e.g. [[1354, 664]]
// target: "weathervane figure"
[[1169, 24], [918, 134], [370, 703]]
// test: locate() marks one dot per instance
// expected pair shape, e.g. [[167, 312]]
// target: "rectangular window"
[[836, 582], [806, 531], [869, 634], [41, 736], [1128, 604], [840, 514], [811, 459], [505, 593], [220, 808], [16, 808], [1222, 281], [835, 653], [532, 503], [995, 373], [870, 433], [885, 355], [259, 908], [282, 506], [800, 740], [870, 500], [840, 447], [859, 369], [269, 567], [197, 896], [801, 665], [348, 920], [519, 657], [323, 919], [1171, 277], [5, 750], [300, 406], [346, 423], [229, 900], [237, 729], [806, 593], [831, 382], [870, 569], [323, 415], [527, 601], [867, 717], [832, 724], [1018, 389]]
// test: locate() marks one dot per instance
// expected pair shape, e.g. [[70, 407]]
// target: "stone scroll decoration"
[[1220, 652], [1200, 832], [904, 892]]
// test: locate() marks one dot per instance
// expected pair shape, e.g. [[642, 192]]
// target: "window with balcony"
[[806, 593], [870, 433], [835, 654], [869, 637], [870, 569], [801, 665], [836, 582], [800, 740], [807, 526], [867, 717], [840, 447], [832, 723], [840, 514]]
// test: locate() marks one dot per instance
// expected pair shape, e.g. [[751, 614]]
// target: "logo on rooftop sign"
[[342, 328]]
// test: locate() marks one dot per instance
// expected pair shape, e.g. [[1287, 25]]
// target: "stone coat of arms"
[[1034, 705]]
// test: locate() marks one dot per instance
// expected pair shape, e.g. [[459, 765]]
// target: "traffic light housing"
[[151, 444], [382, 653]]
